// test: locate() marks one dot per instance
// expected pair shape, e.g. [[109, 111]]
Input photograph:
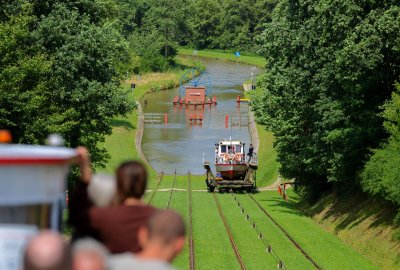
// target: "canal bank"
[[121, 143]]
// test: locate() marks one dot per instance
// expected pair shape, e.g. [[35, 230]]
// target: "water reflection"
[[180, 145]]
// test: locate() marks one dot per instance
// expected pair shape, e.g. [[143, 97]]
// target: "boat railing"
[[237, 158], [254, 159]]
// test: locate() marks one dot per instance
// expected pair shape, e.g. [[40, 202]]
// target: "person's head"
[[88, 254], [102, 190], [46, 251], [163, 237], [131, 180]]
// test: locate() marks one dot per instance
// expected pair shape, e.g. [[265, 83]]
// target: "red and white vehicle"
[[230, 159]]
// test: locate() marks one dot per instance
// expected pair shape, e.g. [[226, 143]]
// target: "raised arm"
[[84, 164], [80, 204]]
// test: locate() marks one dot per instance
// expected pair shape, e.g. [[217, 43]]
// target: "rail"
[[233, 244], [191, 241], [297, 245], [266, 244], [160, 178], [171, 191]]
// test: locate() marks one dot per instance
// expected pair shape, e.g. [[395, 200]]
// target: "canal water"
[[178, 144]]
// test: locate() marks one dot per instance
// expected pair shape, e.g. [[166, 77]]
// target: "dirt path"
[[273, 186]]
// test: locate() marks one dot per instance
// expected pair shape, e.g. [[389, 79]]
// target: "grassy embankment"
[[366, 224]]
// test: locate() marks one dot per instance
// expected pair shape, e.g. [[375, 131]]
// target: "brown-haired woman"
[[115, 226]]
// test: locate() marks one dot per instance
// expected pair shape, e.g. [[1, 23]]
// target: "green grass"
[[281, 245], [325, 248], [212, 246], [179, 203], [268, 169], [268, 166], [366, 224], [250, 59], [252, 250]]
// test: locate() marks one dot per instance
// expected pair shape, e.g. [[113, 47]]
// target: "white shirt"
[[128, 261]]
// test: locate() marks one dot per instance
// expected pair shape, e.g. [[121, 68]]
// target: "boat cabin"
[[195, 94], [229, 152]]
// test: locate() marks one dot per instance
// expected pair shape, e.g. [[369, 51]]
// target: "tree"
[[60, 73], [169, 18], [204, 22], [331, 64], [23, 72], [381, 175], [85, 78], [235, 29], [150, 47]]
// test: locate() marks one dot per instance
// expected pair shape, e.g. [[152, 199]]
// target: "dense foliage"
[[331, 65], [381, 175], [60, 71], [228, 24]]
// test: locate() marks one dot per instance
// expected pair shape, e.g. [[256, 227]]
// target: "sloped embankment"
[[363, 223]]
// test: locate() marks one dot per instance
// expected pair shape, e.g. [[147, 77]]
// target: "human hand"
[[84, 163]]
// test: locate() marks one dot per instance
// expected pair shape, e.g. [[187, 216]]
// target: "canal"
[[179, 145]]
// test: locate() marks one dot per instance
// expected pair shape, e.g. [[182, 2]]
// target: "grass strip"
[[212, 244], [251, 247], [250, 59], [323, 247], [179, 203], [284, 248]]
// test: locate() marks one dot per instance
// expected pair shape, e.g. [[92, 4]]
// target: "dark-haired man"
[[162, 239], [250, 153]]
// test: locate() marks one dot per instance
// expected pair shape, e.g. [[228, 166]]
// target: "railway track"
[[171, 192], [233, 244], [264, 241], [191, 242], [158, 185], [297, 245]]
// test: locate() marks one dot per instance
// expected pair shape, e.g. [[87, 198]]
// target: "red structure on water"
[[195, 95]]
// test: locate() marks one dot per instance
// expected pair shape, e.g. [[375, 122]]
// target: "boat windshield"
[[238, 148], [231, 149], [223, 148]]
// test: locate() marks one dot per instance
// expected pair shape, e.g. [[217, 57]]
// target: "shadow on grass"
[[352, 210], [122, 124], [280, 205]]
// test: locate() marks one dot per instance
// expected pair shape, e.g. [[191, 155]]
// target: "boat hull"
[[231, 171]]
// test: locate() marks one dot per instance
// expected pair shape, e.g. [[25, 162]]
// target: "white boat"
[[230, 159]]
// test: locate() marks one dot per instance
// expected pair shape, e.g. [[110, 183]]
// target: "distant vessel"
[[197, 91], [230, 159], [232, 170]]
